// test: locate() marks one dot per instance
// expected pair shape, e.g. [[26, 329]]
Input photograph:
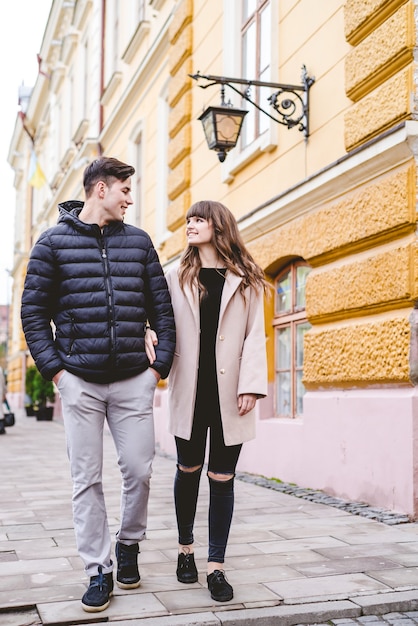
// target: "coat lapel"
[[193, 301], [232, 282]]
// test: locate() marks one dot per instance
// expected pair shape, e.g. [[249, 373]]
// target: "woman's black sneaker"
[[186, 568], [127, 575], [97, 596], [220, 589]]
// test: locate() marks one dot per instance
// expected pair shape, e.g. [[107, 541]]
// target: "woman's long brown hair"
[[228, 244]]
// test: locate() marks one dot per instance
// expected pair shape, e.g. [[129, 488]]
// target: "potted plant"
[[41, 391], [30, 376]]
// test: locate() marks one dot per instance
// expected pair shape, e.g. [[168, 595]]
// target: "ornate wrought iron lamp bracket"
[[291, 102]]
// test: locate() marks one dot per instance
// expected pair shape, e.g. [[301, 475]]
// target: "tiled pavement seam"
[[291, 560]]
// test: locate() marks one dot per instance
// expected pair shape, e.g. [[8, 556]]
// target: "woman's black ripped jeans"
[[222, 460]]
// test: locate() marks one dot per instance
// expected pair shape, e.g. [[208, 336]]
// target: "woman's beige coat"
[[240, 357]]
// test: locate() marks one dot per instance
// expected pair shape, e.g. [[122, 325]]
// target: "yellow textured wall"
[[381, 281], [179, 147], [174, 245], [181, 18], [180, 101], [181, 50], [179, 178], [362, 16], [384, 52], [363, 284], [180, 83], [386, 106], [361, 243], [369, 353], [379, 68], [178, 210], [354, 222]]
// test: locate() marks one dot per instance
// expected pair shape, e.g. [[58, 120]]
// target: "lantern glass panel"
[[228, 127], [209, 129]]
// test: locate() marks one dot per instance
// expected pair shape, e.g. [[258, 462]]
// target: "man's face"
[[116, 200]]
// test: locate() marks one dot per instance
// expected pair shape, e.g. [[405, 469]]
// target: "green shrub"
[[38, 388]]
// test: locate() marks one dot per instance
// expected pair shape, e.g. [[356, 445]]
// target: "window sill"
[[237, 159]]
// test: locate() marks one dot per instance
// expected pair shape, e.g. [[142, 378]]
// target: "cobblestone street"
[[296, 556]]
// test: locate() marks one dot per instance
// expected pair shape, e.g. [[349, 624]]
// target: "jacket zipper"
[[111, 320], [72, 336]]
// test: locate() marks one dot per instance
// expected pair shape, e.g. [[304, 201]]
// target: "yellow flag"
[[36, 176]]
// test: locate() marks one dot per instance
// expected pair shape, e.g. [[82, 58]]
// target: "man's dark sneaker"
[[220, 589], [97, 596], [186, 568], [127, 576]]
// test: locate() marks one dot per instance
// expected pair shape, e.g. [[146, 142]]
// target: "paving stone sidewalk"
[[291, 560]]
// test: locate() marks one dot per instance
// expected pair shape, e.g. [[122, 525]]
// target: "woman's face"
[[199, 231]]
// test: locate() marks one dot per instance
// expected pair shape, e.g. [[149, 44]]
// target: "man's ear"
[[100, 188]]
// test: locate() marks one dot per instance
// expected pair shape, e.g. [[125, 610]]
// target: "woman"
[[218, 372]]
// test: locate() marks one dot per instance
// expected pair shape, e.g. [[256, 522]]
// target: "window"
[[256, 59], [290, 327], [251, 51]]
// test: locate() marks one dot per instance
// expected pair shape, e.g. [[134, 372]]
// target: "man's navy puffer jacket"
[[99, 289]]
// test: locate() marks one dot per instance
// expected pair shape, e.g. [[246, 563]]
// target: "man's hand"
[[246, 402], [156, 374], [151, 340], [57, 377]]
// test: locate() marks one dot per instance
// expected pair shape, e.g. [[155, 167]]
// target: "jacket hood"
[[70, 206], [69, 212]]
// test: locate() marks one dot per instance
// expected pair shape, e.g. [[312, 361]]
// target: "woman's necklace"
[[217, 269]]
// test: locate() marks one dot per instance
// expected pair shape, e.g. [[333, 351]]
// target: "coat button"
[[221, 337], [222, 371]]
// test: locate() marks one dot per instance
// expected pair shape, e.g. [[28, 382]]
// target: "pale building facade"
[[331, 218]]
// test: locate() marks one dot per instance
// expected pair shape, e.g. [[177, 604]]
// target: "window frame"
[[291, 318], [240, 156], [255, 19]]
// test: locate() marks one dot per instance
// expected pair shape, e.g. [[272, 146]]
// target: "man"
[[100, 282]]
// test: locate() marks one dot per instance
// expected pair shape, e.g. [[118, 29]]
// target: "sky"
[[20, 41]]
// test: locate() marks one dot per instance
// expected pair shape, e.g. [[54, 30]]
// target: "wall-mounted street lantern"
[[222, 124]]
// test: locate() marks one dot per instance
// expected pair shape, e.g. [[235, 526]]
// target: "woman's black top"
[[207, 399]]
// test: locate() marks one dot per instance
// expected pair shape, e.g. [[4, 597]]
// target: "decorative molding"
[[18, 178], [81, 131], [138, 37], [157, 4], [69, 45], [112, 85], [56, 181], [82, 10], [58, 75], [68, 157]]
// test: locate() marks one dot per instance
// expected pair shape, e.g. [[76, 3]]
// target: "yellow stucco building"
[[331, 217]]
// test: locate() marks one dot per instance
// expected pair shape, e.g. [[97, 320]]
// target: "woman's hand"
[[246, 402], [151, 340]]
